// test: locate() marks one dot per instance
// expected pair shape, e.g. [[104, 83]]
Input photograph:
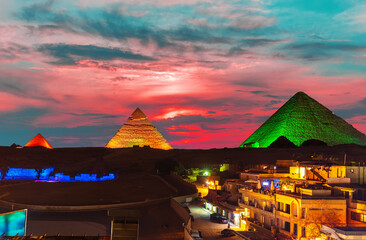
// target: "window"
[[281, 206], [287, 226], [303, 212], [287, 208], [346, 194], [295, 229], [303, 232], [358, 217]]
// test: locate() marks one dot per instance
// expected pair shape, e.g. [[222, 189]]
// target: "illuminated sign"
[[265, 183], [13, 223]]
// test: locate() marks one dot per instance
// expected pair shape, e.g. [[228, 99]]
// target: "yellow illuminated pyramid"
[[138, 131]]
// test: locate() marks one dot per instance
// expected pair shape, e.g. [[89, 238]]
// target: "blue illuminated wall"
[[21, 173], [46, 176], [46, 173], [13, 223]]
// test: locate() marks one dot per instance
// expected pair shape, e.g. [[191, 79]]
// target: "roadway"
[[210, 230]]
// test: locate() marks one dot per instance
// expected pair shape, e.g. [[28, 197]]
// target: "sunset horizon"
[[206, 73]]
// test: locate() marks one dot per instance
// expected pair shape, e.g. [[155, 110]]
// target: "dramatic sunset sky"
[[207, 73]]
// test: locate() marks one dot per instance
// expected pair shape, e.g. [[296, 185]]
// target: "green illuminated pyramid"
[[302, 118]]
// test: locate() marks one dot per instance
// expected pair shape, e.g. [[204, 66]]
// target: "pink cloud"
[[178, 84]]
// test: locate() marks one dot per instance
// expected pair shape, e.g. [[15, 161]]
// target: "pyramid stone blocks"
[[138, 131], [302, 118]]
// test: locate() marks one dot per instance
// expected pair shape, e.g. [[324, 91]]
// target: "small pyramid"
[[138, 131], [302, 118], [38, 141]]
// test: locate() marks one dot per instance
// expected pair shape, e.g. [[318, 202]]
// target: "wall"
[[180, 210], [357, 174], [357, 207]]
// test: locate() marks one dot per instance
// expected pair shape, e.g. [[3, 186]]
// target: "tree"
[[315, 218]]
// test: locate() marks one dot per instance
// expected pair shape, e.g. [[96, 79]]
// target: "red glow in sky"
[[206, 73]]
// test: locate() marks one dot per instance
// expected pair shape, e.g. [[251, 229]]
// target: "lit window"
[[358, 216]]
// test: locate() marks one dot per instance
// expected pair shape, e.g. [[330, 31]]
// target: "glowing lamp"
[[265, 184]]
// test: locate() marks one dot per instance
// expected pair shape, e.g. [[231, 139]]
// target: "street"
[[210, 230]]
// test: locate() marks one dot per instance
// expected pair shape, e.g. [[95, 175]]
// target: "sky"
[[206, 73]]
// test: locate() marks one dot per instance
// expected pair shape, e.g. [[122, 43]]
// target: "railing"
[[260, 227], [303, 196], [284, 214], [268, 209], [260, 191], [359, 201], [284, 211], [252, 204]]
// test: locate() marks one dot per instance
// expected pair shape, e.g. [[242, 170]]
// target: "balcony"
[[268, 209], [357, 204], [283, 214], [251, 204], [260, 227], [303, 196], [258, 191]]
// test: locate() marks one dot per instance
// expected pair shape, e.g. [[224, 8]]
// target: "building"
[[345, 233], [296, 204]]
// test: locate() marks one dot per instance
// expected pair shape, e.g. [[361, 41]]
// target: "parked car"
[[215, 217], [228, 232], [196, 234]]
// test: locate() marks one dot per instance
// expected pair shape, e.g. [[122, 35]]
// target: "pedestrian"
[[228, 225]]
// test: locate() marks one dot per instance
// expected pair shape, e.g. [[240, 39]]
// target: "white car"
[[196, 234]]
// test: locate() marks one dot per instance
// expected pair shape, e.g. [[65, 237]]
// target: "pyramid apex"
[[301, 94], [138, 114]]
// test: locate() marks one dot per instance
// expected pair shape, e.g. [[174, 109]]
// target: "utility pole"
[[363, 173], [359, 173]]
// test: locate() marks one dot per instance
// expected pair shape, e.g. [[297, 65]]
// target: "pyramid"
[[138, 131], [38, 141], [302, 118]]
